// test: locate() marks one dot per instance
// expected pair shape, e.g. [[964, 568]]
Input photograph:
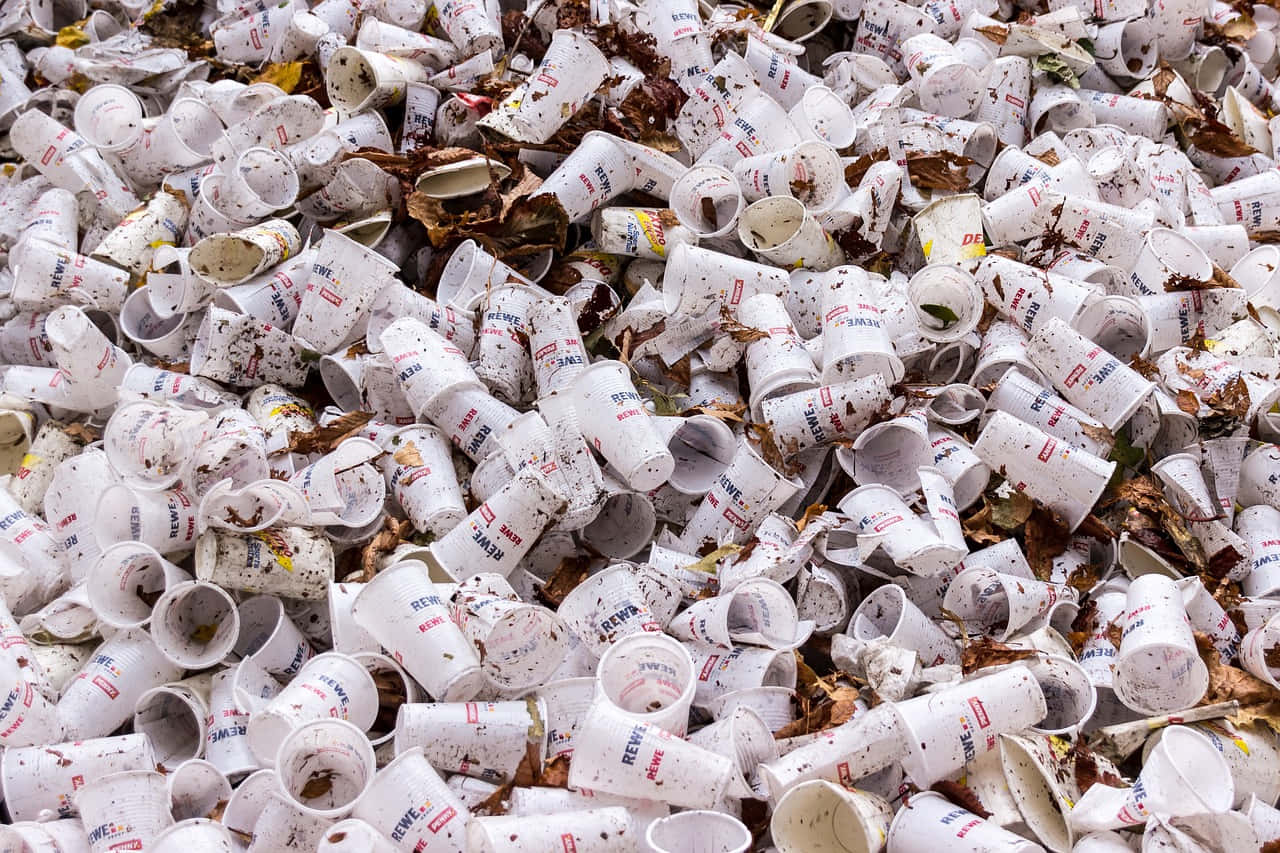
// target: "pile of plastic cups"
[[838, 426]]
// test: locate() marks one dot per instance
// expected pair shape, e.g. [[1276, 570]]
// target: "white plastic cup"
[[123, 809], [150, 444], [354, 836], [409, 803], [570, 72], [650, 763], [47, 275], [703, 184], [421, 477], [292, 561], [1158, 669], [949, 291], [1168, 258], [782, 231], [403, 610], [1028, 401], [485, 740], [194, 835], [1066, 479], [698, 830], [196, 788], [427, 366], [696, 279], [195, 624], [615, 422], [598, 170], [227, 741], [124, 577], [607, 605], [855, 338], [817, 815], [929, 821], [990, 602], [947, 84], [235, 257], [45, 778], [327, 685], [346, 278], [164, 520], [757, 611], [174, 716], [887, 612], [325, 766], [747, 491], [812, 418], [359, 80], [650, 677], [948, 729], [1087, 375]]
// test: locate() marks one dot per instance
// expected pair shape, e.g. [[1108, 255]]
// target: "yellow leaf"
[[71, 36], [708, 563], [286, 75]]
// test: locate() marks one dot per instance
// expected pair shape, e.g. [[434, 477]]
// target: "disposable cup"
[[469, 275], [747, 491], [122, 669], [504, 360], [855, 339], [281, 823], [195, 624], [757, 612], [520, 644], [812, 418], [928, 820], [175, 717], [606, 606], [327, 685], [194, 835], [402, 609], [485, 740], [168, 338], [359, 80], [291, 561], [704, 186], [621, 429], [47, 275], [741, 734], [325, 766], [227, 746], [1088, 375], [149, 444], [818, 815], [45, 778], [845, 754], [197, 789], [420, 475], [345, 280], [598, 170], [1158, 669], [1168, 258], [162, 520], [27, 717], [124, 809], [239, 350], [570, 72], [123, 580], [704, 776], [471, 417], [650, 677], [234, 258], [1249, 754], [778, 363], [947, 729], [598, 829], [428, 367], [699, 830], [781, 230], [409, 803], [887, 612], [946, 85], [761, 125], [889, 453], [1066, 479], [698, 278], [989, 602], [354, 836], [555, 344], [940, 292], [343, 487]]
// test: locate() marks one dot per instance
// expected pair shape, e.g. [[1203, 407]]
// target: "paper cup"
[[409, 803], [570, 72], [359, 80], [327, 685], [939, 292], [855, 339], [403, 611], [845, 754], [325, 766], [520, 644], [290, 561], [887, 612], [989, 602], [234, 258], [615, 422], [948, 729], [606, 606], [195, 624], [609, 828], [122, 809], [239, 350], [1066, 479], [485, 740], [126, 577], [175, 717], [44, 778], [1158, 669], [345, 280], [747, 491], [354, 836], [413, 347], [598, 170], [817, 815], [164, 521], [700, 187]]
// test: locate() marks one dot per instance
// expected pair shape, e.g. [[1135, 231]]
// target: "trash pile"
[[605, 426]]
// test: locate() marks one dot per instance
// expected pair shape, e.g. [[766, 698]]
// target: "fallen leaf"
[[384, 542], [962, 796], [724, 411], [71, 37], [1045, 537], [496, 803], [940, 170], [324, 439], [998, 33], [737, 331], [286, 75], [984, 652], [1011, 512], [408, 455], [811, 512], [571, 572], [1057, 69], [1187, 402]]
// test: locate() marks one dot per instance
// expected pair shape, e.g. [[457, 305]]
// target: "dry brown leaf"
[[962, 796], [737, 331], [1187, 402], [940, 170], [384, 542], [1087, 771], [997, 33], [82, 433], [723, 411], [1010, 513], [497, 802], [811, 512], [983, 652], [1046, 537], [324, 439], [571, 572]]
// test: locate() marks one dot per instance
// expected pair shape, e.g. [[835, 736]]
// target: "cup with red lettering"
[[747, 491], [164, 520], [758, 611], [520, 643], [45, 778], [696, 279], [328, 685], [1158, 669], [650, 677], [421, 477], [615, 421], [427, 366], [597, 170], [782, 231], [325, 766], [991, 602], [47, 275], [556, 344], [929, 821], [855, 340], [126, 580], [406, 614], [27, 718], [270, 638], [606, 606], [1259, 527], [568, 830], [291, 561], [1066, 479], [570, 72], [1088, 375], [196, 788], [887, 612], [124, 811], [410, 803], [226, 745]]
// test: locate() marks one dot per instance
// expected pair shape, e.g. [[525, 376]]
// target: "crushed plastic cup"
[[122, 580], [485, 740]]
